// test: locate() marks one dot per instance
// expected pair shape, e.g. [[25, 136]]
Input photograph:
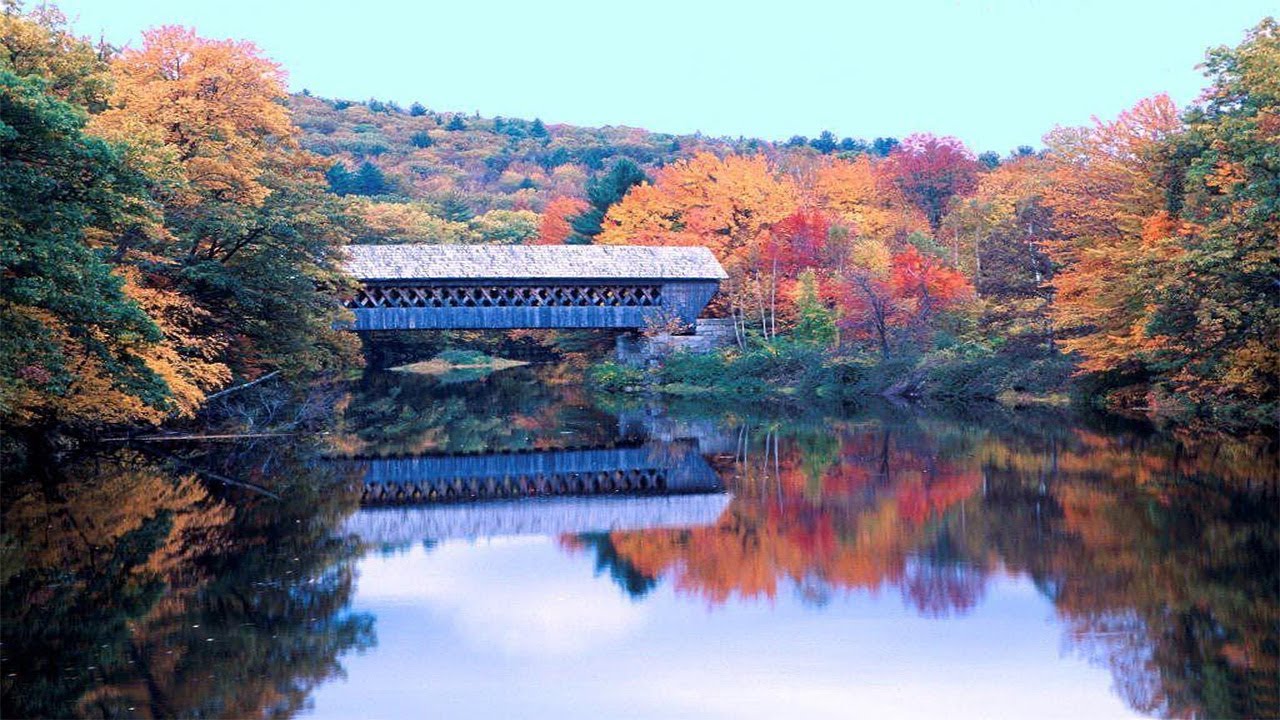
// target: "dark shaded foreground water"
[[674, 560]]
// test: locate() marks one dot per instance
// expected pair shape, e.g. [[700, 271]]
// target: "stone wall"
[[710, 334]]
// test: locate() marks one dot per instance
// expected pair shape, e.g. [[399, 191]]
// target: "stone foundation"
[[709, 335]]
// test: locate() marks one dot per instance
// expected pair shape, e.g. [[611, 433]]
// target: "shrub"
[[613, 377]]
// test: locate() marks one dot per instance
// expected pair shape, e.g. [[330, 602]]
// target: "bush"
[[613, 377]]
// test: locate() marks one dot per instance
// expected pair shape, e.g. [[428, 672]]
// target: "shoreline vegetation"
[[784, 369], [174, 224]]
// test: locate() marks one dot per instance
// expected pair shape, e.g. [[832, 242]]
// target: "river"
[[511, 546]]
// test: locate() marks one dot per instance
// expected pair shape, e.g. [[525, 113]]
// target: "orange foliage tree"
[[554, 227], [1109, 205]]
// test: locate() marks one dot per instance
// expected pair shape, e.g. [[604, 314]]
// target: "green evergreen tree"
[[455, 209], [369, 180], [602, 192], [825, 143]]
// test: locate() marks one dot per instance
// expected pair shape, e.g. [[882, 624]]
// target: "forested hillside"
[[465, 178]]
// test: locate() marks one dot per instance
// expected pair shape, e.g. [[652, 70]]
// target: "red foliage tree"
[[930, 170]]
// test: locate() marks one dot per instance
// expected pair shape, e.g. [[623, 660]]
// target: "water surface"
[[512, 547]]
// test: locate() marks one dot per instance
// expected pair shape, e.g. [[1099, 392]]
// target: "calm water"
[[675, 560]]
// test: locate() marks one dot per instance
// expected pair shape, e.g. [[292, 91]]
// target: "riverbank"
[[785, 369]]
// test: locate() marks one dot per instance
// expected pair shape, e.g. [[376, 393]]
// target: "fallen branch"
[[242, 386], [230, 436]]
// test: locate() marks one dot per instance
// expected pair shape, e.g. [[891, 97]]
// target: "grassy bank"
[[787, 369]]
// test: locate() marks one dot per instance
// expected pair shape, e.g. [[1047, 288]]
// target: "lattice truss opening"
[[441, 296], [639, 480]]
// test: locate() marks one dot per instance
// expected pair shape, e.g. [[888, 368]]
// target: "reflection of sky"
[[522, 628]]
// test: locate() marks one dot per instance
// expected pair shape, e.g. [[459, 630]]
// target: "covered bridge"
[[408, 287]]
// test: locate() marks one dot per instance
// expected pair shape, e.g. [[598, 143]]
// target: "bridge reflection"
[[548, 492]]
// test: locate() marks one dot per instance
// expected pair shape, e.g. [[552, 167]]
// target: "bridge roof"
[[532, 262]]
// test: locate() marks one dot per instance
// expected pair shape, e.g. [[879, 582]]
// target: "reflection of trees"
[[396, 412], [1161, 557], [135, 592], [634, 582], [1175, 589], [826, 512]]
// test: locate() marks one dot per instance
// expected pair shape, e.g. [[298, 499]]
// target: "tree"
[[508, 227], [857, 192], [396, 222], [882, 146], [250, 235], [930, 171], [554, 228], [852, 145], [455, 209], [815, 323], [1109, 207], [417, 110], [421, 139], [39, 44], [727, 205], [825, 143], [538, 130], [64, 318], [456, 123], [1215, 323], [602, 193], [369, 180], [1000, 231]]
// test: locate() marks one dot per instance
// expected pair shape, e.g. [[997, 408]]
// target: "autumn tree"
[[930, 171], [554, 227], [1110, 207], [1216, 320], [249, 232], [1000, 230], [727, 205], [65, 319], [863, 197]]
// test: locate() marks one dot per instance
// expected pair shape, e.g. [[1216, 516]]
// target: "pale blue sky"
[[995, 74]]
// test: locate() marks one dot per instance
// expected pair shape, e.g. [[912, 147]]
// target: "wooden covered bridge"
[[476, 287]]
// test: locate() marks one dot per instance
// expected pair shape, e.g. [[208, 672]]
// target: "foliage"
[[68, 327], [815, 323], [602, 193], [930, 171], [614, 377], [196, 241]]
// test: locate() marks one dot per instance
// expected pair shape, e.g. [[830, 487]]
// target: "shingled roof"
[[497, 262]]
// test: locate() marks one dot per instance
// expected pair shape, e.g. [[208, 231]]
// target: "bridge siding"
[[686, 299]]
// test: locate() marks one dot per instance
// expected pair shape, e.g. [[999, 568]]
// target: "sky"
[[995, 74]]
